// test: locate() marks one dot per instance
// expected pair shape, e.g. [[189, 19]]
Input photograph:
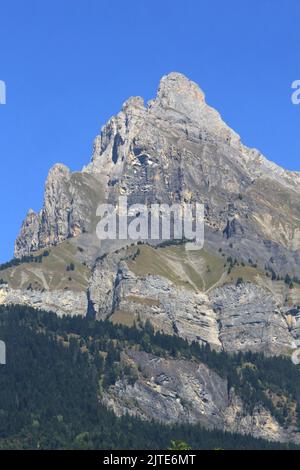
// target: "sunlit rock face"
[[173, 391], [232, 295], [176, 149]]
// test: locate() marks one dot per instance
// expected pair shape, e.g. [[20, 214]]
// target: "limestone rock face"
[[28, 239], [102, 288], [69, 209], [169, 389], [180, 391], [60, 302], [245, 317], [177, 149], [250, 319], [176, 311]]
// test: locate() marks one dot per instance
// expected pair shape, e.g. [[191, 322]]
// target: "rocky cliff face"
[[177, 149], [180, 391], [69, 210], [63, 303], [237, 294], [231, 317]]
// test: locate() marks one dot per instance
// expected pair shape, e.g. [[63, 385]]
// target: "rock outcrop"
[[250, 319], [172, 391], [61, 302], [243, 317], [69, 210]]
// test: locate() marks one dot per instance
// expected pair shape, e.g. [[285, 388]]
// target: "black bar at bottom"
[[153, 459]]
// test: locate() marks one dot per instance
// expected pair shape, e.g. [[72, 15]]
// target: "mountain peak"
[[134, 102], [176, 82], [178, 93]]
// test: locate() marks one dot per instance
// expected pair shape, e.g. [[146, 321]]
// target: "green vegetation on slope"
[[56, 368], [25, 259], [202, 270], [48, 270]]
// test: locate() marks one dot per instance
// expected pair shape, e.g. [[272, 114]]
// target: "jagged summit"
[[178, 92], [174, 88], [176, 148], [178, 108], [133, 102]]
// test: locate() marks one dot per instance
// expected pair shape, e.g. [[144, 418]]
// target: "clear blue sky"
[[70, 64]]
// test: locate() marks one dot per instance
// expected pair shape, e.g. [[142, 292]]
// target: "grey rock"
[[175, 149], [60, 302], [178, 149], [69, 209], [171, 391], [245, 317], [249, 319]]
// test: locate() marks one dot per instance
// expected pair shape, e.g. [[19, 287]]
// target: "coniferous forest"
[[50, 388]]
